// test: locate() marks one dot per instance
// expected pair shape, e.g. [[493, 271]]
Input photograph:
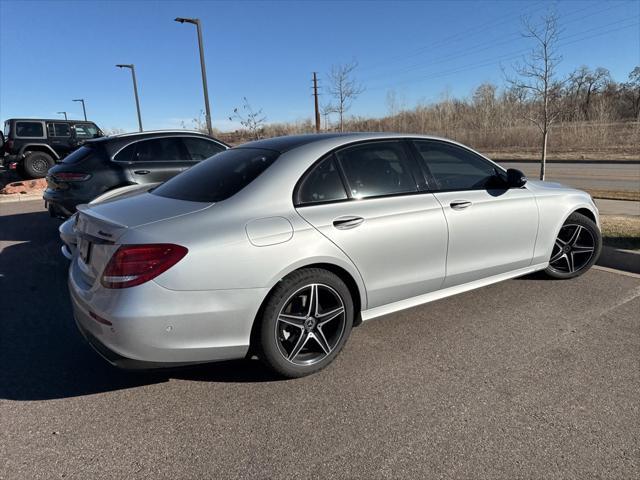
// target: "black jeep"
[[32, 146]]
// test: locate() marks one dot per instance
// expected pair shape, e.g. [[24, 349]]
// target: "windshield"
[[219, 177]]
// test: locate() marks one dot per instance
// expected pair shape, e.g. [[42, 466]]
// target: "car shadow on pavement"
[[42, 354]]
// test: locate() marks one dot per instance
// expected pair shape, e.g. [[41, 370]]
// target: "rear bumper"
[[149, 326], [62, 202]]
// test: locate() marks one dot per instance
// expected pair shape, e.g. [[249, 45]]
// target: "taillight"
[[71, 176], [133, 265]]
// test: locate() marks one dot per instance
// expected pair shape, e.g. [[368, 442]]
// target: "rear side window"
[[375, 169], [7, 128], [201, 149], [58, 129], [164, 149], [321, 184], [29, 129], [219, 177], [455, 168], [78, 155]]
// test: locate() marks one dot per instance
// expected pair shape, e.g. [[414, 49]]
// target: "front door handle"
[[460, 204], [347, 222], [141, 172]]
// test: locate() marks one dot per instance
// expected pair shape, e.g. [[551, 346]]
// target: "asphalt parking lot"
[[525, 379]]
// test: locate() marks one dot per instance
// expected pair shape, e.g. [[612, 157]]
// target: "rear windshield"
[[77, 155], [219, 177]]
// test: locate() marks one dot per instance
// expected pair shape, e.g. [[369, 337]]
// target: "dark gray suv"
[[135, 158]]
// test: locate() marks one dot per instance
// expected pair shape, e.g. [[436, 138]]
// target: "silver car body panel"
[[408, 250]]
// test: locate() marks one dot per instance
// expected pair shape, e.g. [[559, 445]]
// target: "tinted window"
[[201, 149], [159, 149], [29, 129], [7, 128], [77, 155], [219, 177], [86, 130], [380, 168], [58, 129], [455, 168], [322, 184], [126, 154]]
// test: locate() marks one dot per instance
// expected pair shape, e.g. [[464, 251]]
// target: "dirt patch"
[[24, 187]]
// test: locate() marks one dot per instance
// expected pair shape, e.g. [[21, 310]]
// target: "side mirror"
[[515, 178]]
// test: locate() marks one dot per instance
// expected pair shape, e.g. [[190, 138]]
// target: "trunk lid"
[[99, 228]]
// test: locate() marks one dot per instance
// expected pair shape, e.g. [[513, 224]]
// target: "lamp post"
[[135, 89], [63, 113], [198, 24], [84, 110]]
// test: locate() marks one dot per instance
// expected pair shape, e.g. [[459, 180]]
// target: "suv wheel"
[[306, 322], [37, 164]]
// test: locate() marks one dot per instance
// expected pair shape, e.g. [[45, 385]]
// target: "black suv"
[[128, 159], [32, 146]]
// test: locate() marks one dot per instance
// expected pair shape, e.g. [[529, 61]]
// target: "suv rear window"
[[29, 129], [77, 156], [219, 177]]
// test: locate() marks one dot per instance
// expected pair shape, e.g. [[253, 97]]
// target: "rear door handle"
[[141, 172], [347, 222], [460, 204]]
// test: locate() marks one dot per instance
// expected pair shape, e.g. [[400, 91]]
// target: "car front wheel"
[[305, 323], [576, 248]]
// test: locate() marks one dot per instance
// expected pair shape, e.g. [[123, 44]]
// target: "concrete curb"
[[20, 197], [625, 260]]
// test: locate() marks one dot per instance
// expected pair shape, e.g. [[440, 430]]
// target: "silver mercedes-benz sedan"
[[278, 247]]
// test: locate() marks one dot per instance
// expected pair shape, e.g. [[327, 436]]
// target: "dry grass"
[[621, 231], [615, 194]]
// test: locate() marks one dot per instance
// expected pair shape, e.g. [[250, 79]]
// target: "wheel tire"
[[37, 164], [270, 334], [575, 221]]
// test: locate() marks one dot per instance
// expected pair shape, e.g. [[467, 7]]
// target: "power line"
[[509, 56], [485, 46]]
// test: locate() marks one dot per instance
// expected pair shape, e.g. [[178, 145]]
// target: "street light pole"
[[84, 110], [63, 113], [135, 89], [198, 24]]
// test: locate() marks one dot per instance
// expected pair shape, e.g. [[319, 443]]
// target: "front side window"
[[321, 184], [29, 129], [219, 177], [86, 130], [455, 168], [164, 149], [201, 149], [379, 168]]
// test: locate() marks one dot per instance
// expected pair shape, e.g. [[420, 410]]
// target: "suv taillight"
[[71, 176], [133, 265]]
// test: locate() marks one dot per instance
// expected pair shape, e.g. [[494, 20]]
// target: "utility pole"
[[63, 113], [315, 98], [135, 89], [198, 24], [84, 110]]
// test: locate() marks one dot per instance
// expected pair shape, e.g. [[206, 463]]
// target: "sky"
[[54, 51]]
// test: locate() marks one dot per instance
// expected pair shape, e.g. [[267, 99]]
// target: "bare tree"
[[343, 88], [535, 78], [632, 91], [252, 120], [326, 110]]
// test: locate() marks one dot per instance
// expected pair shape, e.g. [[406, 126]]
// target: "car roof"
[[286, 143], [47, 120], [114, 143]]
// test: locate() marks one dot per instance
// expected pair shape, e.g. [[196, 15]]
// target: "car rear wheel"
[[305, 323], [576, 248], [37, 164]]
